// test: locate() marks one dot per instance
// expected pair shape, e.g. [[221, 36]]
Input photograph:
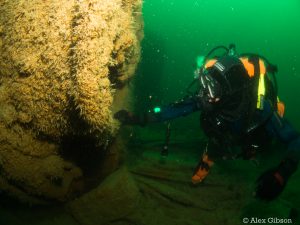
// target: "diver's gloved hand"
[[127, 118], [272, 182]]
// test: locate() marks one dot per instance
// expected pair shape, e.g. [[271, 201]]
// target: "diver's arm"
[[177, 109], [284, 131]]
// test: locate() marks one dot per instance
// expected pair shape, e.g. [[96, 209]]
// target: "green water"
[[177, 31]]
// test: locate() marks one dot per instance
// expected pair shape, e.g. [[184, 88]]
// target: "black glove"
[[271, 183], [127, 118]]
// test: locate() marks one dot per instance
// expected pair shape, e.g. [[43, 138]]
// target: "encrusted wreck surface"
[[62, 64]]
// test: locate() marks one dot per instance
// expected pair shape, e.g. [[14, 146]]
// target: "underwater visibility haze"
[[176, 32], [142, 174]]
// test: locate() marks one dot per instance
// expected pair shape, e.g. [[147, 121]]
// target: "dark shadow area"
[[83, 151], [15, 213], [86, 151], [114, 75]]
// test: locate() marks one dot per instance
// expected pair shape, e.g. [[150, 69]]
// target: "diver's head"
[[222, 84]]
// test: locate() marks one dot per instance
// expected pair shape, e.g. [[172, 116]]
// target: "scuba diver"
[[237, 98]]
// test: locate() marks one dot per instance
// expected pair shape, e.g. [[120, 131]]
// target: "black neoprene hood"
[[230, 73]]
